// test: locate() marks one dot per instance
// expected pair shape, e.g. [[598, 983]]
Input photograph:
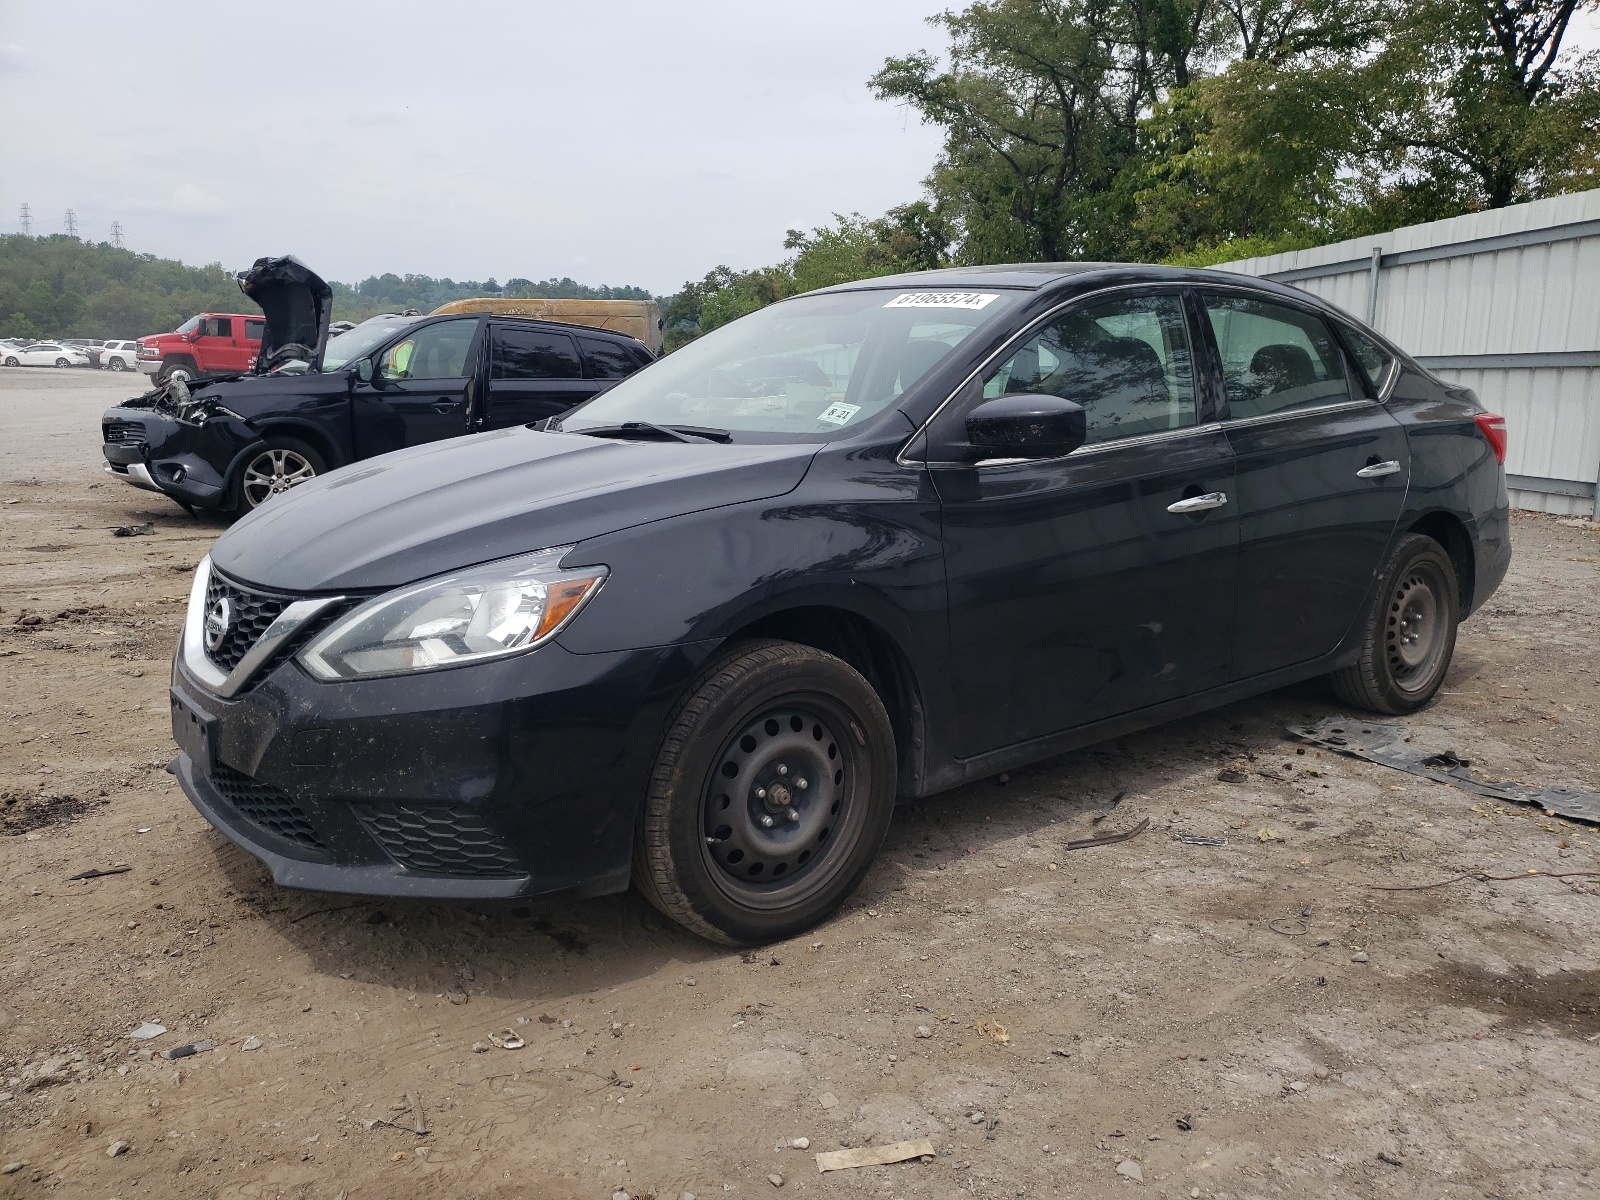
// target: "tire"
[[180, 370], [754, 739], [61, 362], [279, 464], [116, 364], [12, 362], [1408, 635]]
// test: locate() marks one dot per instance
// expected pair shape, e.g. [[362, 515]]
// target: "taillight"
[[1493, 428]]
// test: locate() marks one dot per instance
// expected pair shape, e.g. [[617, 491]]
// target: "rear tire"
[[280, 464], [117, 364], [771, 794], [1408, 634], [61, 362]]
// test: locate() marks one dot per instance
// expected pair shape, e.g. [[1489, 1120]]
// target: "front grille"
[[249, 616], [438, 840], [264, 805], [122, 433]]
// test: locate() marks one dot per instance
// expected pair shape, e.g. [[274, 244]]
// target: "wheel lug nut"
[[801, 782], [766, 821], [781, 769], [792, 815], [761, 793]]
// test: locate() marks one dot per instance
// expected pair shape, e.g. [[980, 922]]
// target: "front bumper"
[[510, 779], [186, 461], [149, 366]]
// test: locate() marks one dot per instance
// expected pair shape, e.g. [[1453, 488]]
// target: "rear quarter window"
[[1378, 363], [607, 360]]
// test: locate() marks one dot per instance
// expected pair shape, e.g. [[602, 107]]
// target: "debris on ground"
[[188, 1051], [1131, 1169], [147, 1030], [1196, 839], [1106, 839], [507, 1040], [250, 1043], [134, 530], [97, 873], [874, 1156], [1389, 746], [1110, 808], [1232, 776]]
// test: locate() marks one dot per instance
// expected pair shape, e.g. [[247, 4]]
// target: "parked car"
[[315, 403], [205, 346], [119, 355], [88, 346], [46, 354], [873, 541]]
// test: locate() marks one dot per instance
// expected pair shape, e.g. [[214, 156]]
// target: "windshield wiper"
[[671, 433]]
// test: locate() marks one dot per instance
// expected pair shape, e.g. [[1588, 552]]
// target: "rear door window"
[[1274, 358], [255, 330], [533, 354], [607, 360]]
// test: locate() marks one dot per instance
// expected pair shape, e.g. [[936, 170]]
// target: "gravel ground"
[[1244, 1020]]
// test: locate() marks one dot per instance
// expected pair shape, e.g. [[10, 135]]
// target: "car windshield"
[[811, 367], [353, 343], [188, 326]]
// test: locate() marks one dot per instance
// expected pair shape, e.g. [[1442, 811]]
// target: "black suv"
[[313, 403]]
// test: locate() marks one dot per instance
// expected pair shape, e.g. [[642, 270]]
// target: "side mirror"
[[363, 370], [1027, 425]]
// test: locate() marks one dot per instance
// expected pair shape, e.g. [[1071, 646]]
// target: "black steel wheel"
[[280, 464], [1408, 633], [771, 794]]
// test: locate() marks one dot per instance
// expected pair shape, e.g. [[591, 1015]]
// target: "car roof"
[[1036, 276]]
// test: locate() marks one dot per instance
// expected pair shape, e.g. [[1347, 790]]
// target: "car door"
[[1322, 476], [419, 387], [215, 346], [534, 373], [1102, 582], [254, 331]]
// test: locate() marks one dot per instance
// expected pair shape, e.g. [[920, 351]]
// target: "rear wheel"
[[771, 794], [280, 464], [117, 364], [61, 362], [1409, 632]]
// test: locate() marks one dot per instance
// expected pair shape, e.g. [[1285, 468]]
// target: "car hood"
[[406, 516], [297, 303]]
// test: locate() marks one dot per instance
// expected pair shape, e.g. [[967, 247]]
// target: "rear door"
[[254, 330], [1102, 582], [534, 373], [1322, 476], [419, 388]]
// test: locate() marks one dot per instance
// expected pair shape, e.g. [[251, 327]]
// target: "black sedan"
[[313, 402], [872, 542]]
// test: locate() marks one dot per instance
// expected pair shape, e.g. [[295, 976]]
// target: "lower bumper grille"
[[122, 433], [438, 840], [264, 805]]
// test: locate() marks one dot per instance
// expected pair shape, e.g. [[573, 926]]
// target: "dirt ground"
[[1247, 1020]]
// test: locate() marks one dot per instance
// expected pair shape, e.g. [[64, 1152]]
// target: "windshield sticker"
[[942, 300], [839, 414]]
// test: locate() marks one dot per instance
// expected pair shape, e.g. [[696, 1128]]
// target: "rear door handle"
[[1196, 504], [1379, 470]]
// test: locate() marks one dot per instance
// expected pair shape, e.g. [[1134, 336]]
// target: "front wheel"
[[12, 362], [1408, 633], [771, 794], [281, 463], [179, 372]]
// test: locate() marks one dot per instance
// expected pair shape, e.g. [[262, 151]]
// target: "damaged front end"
[[176, 441], [188, 443]]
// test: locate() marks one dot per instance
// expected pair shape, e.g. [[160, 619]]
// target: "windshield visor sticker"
[[838, 414], [972, 300]]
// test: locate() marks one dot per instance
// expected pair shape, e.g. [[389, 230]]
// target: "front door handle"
[[1196, 504], [445, 407], [1379, 470]]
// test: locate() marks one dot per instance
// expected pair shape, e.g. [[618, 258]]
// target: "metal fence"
[[1506, 302]]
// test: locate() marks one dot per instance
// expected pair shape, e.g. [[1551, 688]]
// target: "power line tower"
[[116, 234], [27, 221], [72, 224]]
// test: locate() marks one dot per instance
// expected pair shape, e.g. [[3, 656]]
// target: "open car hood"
[[298, 306]]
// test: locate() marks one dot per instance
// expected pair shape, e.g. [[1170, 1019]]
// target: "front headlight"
[[492, 611]]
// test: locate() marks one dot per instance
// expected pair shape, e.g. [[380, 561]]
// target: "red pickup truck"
[[209, 344]]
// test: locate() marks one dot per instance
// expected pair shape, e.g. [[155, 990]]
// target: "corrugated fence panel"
[[1518, 281]]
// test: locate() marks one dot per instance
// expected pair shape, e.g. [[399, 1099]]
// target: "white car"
[[119, 356], [47, 354]]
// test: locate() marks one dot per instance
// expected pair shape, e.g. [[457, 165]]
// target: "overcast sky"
[[619, 142], [623, 142]]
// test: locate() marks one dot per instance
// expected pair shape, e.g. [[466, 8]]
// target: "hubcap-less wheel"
[[274, 471], [778, 801], [1414, 637]]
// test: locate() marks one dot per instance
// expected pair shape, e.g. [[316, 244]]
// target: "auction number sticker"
[[839, 414], [943, 300]]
